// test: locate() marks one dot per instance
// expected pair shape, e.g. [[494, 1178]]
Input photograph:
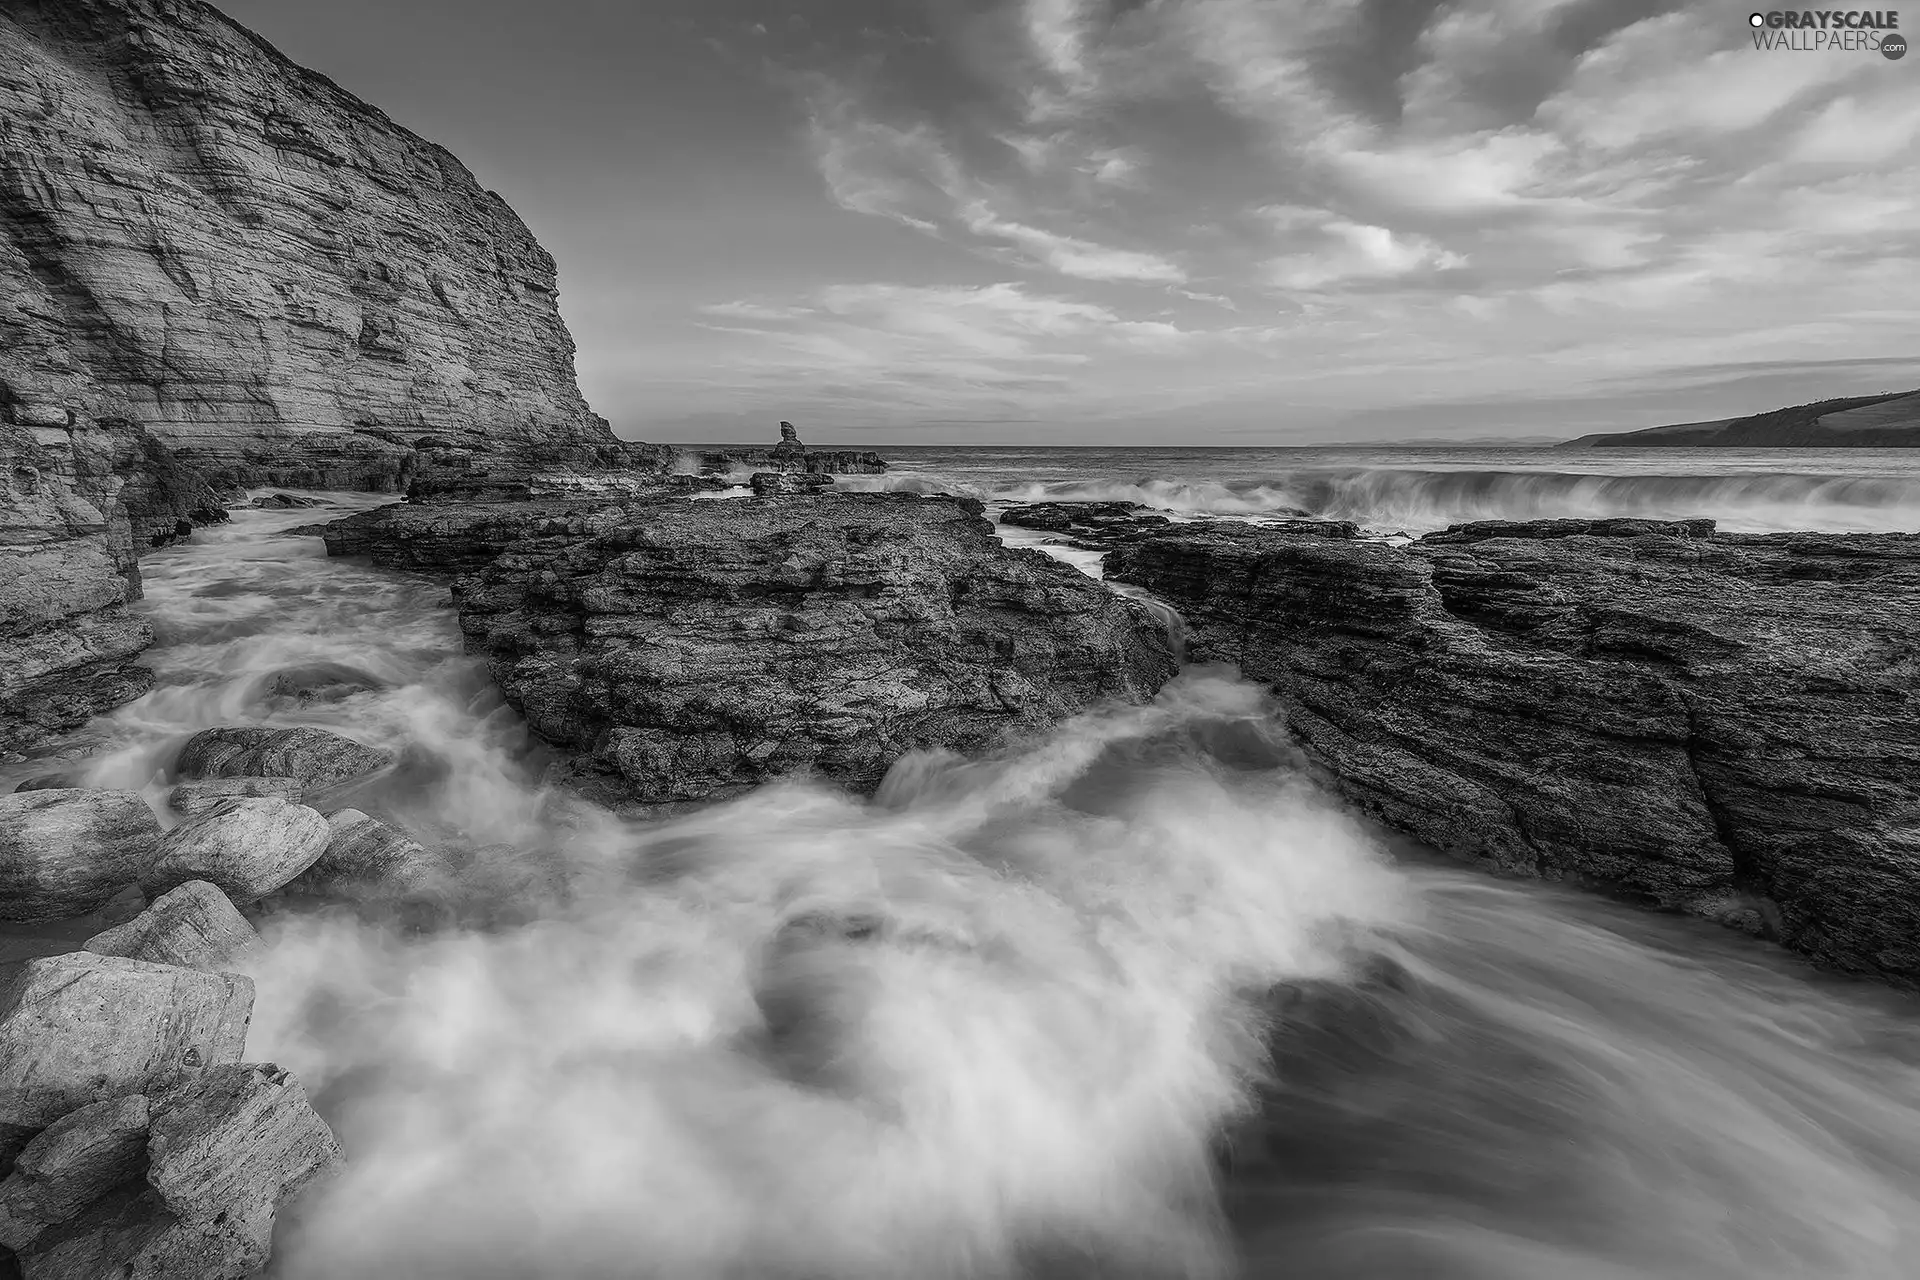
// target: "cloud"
[[1193, 204]]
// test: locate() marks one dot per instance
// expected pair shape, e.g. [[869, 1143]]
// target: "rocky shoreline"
[[1712, 723]]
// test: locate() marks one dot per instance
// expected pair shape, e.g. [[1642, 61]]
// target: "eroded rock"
[[364, 854], [1715, 723], [65, 852], [245, 848], [701, 648], [195, 798], [315, 757], [194, 926], [226, 1148], [79, 1028], [71, 1163]]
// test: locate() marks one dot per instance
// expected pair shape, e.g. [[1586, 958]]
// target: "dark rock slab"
[[1101, 526], [77, 1029], [364, 854], [1720, 724], [315, 682], [315, 757], [195, 798], [461, 537], [704, 647], [73, 1162], [245, 848], [770, 484], [66, 851], [194, 926], [226, 1148]]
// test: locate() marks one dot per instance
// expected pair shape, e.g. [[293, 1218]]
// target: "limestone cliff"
[[268, 275], [216, 266]]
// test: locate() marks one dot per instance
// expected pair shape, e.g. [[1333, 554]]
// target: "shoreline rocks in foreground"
[[1713, 723]]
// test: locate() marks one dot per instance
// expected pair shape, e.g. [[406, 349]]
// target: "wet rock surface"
[[73, 1162], [245, 848], [460, 537], [1715, 723], [1101, 526], [313, 757], [80, 1028], [365, 855], [66, 851], [194, 926], [196, 798], [698, 648]]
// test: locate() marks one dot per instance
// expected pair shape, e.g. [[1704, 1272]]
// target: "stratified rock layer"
[[699, 648], [268, 274], [1720, 724]]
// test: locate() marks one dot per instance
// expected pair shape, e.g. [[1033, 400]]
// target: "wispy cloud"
[[1265, 198]]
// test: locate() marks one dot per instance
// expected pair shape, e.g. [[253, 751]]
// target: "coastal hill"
[[1890, 420]]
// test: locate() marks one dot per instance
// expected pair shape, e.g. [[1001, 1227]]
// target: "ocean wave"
[[1421, 500]]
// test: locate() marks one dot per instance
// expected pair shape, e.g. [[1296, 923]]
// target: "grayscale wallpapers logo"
[[1830, 31]]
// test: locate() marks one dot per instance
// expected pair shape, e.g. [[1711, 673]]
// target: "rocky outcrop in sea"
[[1713, 723], [692, 650]]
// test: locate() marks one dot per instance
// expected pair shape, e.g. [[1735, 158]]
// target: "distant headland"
[[1886, 421]]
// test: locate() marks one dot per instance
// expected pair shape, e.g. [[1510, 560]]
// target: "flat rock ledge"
[[1705, 722], [691, 650]]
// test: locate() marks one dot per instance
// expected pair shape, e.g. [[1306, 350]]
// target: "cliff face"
[[265, 273], [1714, 723]]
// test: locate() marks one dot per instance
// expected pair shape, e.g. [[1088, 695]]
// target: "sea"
[[1389, 489], [1130, 1000]]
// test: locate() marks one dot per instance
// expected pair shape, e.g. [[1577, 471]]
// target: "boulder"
[[245, 848], [196, 798], [365, 854], [65, 852], [81, 1028], [285, 501], [705, 647], [314, 756], [226, 1149], [72, 1163], [193, 926], [1713, 723], [234, 1135], [316, 682]]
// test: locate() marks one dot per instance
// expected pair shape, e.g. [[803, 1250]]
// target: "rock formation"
[[1720, 724], [267, 274], [64, 852], [194, 926], [216, 266], [695, 649], [313, 757], [790, 455], [460, 537], [72, 524], [246, 848]]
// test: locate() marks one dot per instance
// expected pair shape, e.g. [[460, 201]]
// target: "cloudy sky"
[[1205, 221]]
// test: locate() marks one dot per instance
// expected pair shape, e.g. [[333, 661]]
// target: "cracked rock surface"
[[692, 650], [1716, 723]]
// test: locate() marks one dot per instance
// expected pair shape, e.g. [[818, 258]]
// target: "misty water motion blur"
[[1010, 1018], [1422, 489]]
